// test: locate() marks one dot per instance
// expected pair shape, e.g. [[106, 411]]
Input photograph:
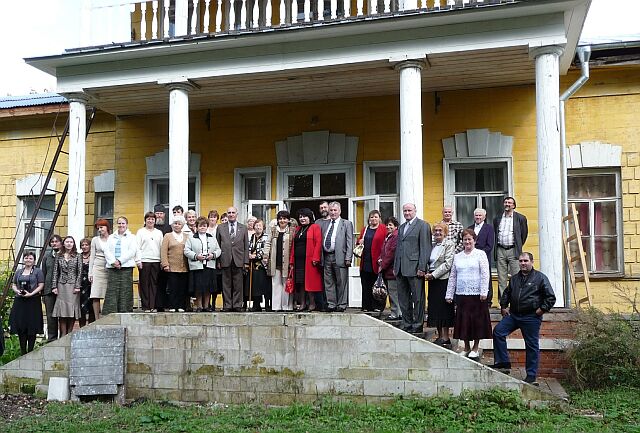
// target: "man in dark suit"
[[511, 234], [410, 266], [337, 247], [233, 239], [485, 240]]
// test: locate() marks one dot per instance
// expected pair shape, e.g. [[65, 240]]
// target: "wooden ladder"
[[571, 233]]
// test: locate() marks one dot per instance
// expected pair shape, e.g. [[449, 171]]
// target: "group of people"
[[455, 262], [294, 264]]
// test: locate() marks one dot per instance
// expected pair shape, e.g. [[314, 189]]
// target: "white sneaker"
[[473, 355]]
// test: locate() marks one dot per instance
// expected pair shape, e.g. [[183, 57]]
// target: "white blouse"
[[469, 274]]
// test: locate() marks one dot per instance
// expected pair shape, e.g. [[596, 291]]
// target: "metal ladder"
[[571, 233], [32, 228]]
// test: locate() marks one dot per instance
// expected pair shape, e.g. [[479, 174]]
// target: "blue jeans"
[[529, 325]]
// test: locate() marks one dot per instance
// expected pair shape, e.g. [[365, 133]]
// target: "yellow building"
[[432, 106]]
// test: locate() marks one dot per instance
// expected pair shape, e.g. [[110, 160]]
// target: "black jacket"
[[525, 294]]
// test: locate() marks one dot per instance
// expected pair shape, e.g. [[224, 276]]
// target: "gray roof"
[[31, 100]]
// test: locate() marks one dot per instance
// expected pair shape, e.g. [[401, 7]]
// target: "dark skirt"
[[26, 316], [86, 306], [202, 281], [260, 282], [472, 318], [440, 314]]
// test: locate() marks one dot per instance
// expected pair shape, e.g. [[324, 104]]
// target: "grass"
[[615, 410]]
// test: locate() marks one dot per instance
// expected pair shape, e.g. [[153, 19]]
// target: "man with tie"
[[484, 241], [410, 266], [337, 236], [511, 234], [233, 239]]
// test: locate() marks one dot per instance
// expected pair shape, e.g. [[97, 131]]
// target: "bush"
[[606, 350]]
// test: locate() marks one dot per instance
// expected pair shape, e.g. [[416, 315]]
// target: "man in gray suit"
[[337, 247], [233, 239], [410, 267]]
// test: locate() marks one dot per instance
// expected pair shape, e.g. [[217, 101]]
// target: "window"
[[317, 181], [252, 183], [382, 178], [160, 193], [598, 200], [473, 184], [42, 224], [104, 206]]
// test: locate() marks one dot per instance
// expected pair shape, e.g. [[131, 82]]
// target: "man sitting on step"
[[527, 297]]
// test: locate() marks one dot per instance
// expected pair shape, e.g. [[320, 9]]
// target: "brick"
[[634, 213], [633, 159]]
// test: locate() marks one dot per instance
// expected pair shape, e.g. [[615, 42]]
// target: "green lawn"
[[615, 410]]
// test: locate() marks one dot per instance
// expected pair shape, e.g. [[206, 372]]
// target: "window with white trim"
[[160, 193], [104, 206], [26, 208], [598, 199], [382, 178], [472, 184], [252, 183]]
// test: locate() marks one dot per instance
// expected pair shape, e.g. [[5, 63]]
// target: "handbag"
[[357, 250], [290, 285], [379, 289]]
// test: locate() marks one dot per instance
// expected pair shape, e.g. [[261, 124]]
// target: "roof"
[[31, 100]]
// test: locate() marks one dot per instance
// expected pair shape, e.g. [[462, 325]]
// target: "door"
[[359, 208], [266, 210]]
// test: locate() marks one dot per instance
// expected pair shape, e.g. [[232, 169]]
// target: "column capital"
[[186, 85], [410, 63], [80, 97], [535, 52]]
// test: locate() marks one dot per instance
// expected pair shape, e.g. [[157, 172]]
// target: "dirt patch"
[[16, 406]]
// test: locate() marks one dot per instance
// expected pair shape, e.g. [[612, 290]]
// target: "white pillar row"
[[411, 177], [179, 145], [77, 173], [549, 168]]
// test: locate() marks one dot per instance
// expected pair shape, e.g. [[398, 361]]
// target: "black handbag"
[[379, 289]]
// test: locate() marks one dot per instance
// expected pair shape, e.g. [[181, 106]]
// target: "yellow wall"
[[25, 142], [604, 110]]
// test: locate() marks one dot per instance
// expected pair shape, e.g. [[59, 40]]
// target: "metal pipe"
[[584, 54]]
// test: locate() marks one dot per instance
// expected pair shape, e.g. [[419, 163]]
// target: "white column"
[[77, 155], [549, 169], [178, 145], [411, 180]]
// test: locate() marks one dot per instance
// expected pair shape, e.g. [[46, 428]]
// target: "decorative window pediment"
[[317, 147], [158, 164], [593, 154], [477, 143]]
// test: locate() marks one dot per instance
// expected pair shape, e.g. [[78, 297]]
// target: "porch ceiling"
[[449, 71]]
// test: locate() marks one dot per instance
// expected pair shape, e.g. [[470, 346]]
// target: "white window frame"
[[98, 205], [278, 204], [150, 179], [316, 170], [583, 172], [239, 176], [22, 223], [368, 182], [448, 165]]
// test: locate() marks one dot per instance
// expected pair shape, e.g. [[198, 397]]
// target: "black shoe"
[[419, 330], [531, 380], [446, 344], [340, 309], [227, 310], [439, 341], [503, 367], [330, 309]]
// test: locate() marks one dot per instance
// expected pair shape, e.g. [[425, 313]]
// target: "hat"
[[159, 208]]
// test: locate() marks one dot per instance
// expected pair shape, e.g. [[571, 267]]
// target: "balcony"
[[107, 22]]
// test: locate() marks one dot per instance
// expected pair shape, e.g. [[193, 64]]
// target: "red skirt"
[[472, 318]]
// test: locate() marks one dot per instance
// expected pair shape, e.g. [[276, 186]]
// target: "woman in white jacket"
[[202, 250], [121, 255]]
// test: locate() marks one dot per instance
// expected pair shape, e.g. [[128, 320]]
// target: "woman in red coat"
[[372, 237], [305, 259]]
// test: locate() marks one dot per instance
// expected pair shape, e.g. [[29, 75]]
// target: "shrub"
[[606, 350]]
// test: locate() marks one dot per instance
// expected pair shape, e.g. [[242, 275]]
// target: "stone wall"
[[270, 358]]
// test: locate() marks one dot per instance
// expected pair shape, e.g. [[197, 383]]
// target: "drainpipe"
[[584, 54]]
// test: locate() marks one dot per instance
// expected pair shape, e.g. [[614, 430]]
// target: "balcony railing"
[[122, 21]]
